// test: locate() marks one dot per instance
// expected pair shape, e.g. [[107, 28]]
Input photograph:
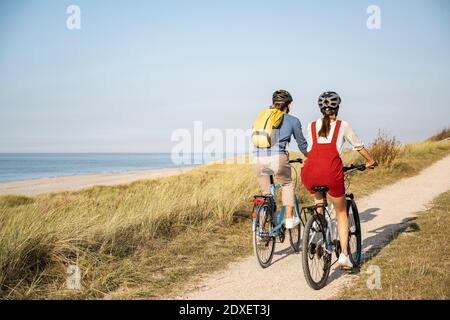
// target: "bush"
[[385, 150]]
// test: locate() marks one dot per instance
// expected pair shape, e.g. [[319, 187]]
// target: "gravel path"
[[382, 213]]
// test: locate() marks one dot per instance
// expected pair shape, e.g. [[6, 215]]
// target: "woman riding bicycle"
[[276, 157], [326, 138]]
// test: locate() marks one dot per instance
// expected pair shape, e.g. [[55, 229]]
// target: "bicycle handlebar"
[[298, 160], [360, 167]]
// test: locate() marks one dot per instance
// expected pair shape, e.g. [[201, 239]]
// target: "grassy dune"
[[151, 238], [441, 135], [422, 273]]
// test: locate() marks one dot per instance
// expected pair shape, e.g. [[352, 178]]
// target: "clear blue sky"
[[137, 70]]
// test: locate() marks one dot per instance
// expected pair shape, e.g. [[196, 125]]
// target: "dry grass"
[[442, 135], [385, 150], [414, 265], [410, 161], [105, 230], [150, 238]]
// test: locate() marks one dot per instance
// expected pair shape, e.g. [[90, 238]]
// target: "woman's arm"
[[358, 145], [370, 163]]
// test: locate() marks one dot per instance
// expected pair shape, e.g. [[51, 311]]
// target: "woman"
[[276, 157], [326, 138]]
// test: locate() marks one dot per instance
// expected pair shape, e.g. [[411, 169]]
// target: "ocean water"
[[24, 166]]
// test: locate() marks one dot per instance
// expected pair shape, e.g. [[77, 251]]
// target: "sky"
[[138, 70]]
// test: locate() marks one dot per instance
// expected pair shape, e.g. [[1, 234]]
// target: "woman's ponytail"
[[326, 122], [326, 126]]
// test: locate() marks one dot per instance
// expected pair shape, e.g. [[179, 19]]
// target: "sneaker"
[[344, 262], [292, 222]]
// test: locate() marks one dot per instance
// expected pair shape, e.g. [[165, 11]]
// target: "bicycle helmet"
[[329, 99], [281, 96]]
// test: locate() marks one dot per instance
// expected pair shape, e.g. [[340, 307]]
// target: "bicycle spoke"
[[316, 259], [262, 242]]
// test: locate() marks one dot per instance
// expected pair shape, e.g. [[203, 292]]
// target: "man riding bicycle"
[[275, 157]]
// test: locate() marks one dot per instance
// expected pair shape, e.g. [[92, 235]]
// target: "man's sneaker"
[[292, 222], [344, 262]]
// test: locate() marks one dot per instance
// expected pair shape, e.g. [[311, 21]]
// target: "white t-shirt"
[[346, 133]]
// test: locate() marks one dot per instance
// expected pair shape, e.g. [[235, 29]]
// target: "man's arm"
[[298, 135]]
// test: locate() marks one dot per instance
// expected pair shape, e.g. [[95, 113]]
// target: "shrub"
[[385, 150]]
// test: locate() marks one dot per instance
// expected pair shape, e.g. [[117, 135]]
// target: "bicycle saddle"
[[320, 189], [267, 172]]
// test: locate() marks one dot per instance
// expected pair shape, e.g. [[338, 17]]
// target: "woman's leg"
[[318, 199], [342, 221]]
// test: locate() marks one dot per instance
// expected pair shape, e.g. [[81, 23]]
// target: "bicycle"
[[267, 225], [320, 237]]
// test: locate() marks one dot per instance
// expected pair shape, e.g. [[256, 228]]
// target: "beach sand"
[[72, 183]]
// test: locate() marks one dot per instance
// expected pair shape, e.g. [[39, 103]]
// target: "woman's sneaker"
[[344, 262], [291, 222]]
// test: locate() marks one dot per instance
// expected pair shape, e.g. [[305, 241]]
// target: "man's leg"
[[287, 185], [263, 181]]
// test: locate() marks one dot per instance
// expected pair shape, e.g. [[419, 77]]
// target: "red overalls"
[[324, 165]]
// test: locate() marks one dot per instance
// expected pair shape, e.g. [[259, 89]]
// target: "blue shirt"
[[290, 126]]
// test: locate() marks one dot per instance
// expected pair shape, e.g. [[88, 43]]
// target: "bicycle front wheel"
[[316, 259], [294, 237], [354, 234], [263, 243]]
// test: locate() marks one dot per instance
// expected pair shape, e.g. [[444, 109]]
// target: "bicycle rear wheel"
[[263, 243], [354, 234], [316, 260]]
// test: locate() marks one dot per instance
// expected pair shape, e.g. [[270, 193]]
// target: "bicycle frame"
[[280, 217], [312, 210]]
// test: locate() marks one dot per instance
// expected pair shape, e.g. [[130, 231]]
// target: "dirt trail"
[[382, 213]]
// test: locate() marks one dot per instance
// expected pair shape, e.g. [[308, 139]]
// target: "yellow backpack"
[[265, 122]]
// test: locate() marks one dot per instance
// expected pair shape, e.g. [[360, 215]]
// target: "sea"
[[25, 166]]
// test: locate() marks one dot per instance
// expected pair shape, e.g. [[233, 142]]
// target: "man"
[[276, 157]]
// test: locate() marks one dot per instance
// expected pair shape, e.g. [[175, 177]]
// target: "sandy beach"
[[73, 183]]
